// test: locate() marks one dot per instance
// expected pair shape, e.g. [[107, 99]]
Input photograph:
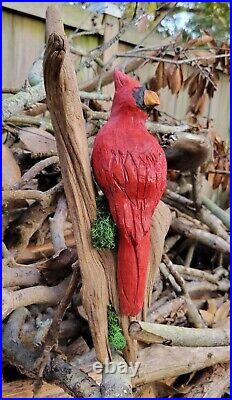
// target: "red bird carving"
[[130, 167]]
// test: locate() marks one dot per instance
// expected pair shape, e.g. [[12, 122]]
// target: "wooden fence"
[[24, 38]]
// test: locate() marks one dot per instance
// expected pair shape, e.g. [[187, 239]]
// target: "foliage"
[[192, 17], [104, 231], [115, 335]]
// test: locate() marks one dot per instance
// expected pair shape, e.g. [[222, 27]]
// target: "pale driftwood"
[[221, 214], [222, 285], [21, 276], [212, 383], [13, 105], [204, 215], [67, 376], [117, 384], [66, 114], [33, 295], [192, 311], [179, 336], [57, 225], [196, 273], [159, 314], [207, 238], [175, 361]]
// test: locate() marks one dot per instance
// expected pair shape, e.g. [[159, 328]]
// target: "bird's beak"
[[151, 99]]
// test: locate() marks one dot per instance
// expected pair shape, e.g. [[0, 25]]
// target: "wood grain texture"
[[67, 118]]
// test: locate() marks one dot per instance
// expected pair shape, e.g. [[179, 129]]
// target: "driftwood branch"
[[179, 336], [32, 295], [70, 378], [21, 276], [66, 114], [174, 361], [207, 238], [193, 314], [117, 384]]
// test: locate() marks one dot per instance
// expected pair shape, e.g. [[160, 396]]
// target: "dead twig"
[[51, 340], [199, 235], [193, 314], [70, 378], [32, 295]]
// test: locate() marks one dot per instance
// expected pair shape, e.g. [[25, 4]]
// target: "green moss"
[[104, 230], [115, 335]]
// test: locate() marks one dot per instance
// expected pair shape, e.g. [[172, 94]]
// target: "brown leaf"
[[175, 78], [210, 177], [37, 140], [218, 177], [159, 75], [222, 312], [207, 317], [170, 70], [142, 24], [212, 306], [201, 41], [226, 178], [193, 85], [199, 108], [187, 81], [210, 90], [201, 86], [11, 173]]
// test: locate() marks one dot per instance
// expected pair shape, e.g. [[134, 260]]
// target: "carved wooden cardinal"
[[130, 167]]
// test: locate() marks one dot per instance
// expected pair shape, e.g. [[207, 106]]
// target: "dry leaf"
[[11, 173], [226, 178], [212, 306], [222, 312], [218, 177], [174, 78], [187, 81], [157, 82], [199, 108], [159, 74], [142, 24], [193, 85], [37, 140], [207, 317], [201, 41], [177, 79]]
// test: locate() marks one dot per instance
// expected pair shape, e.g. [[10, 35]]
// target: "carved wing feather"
[[133, 185]]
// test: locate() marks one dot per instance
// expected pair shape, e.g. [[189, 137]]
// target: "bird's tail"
[[132, 273]]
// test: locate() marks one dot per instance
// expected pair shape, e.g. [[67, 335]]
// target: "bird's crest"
[[120, 79]]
